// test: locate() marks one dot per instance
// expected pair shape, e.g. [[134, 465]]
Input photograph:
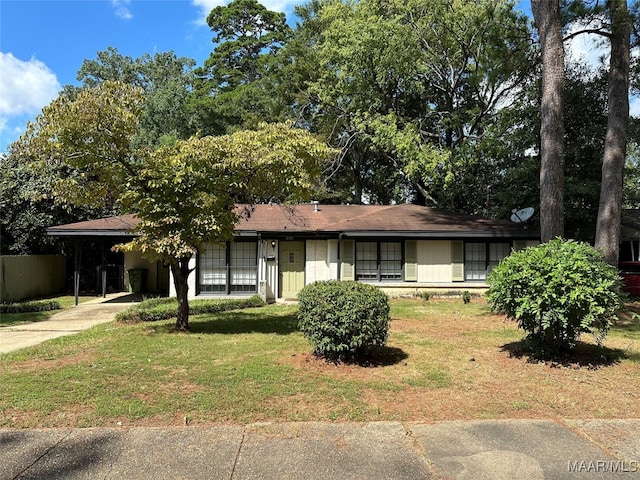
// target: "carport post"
[[103, 270], [76, 272]]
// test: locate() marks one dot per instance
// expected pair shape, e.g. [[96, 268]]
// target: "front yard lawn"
[[445, 360]]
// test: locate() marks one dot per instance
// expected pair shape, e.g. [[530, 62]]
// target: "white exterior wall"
[[434, 261], [268, 263], [135, 260], [321, 263]]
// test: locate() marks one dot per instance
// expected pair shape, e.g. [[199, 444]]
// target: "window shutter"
[[347, 267], [410, 261], [519, 245], [457, 261]]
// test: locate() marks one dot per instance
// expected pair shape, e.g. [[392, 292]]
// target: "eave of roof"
[[117, 226]]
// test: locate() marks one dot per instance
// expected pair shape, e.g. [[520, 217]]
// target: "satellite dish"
[[522, 215]]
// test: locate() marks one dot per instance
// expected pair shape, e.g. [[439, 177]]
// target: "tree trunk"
[[615, 144], [180, 271], [547, 18]]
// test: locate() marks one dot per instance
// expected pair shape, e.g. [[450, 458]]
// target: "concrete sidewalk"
[[80, 317], [502, 449]]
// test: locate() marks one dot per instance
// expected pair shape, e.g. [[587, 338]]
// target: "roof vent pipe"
[[315, 206]]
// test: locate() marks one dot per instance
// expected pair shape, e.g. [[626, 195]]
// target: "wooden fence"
[[24, 277]]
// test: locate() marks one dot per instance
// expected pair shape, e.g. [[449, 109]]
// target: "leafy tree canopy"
[[406, 83], [184, 193], [231, 89]]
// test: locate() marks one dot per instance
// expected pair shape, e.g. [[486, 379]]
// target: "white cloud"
[[122, 10], [25, 86], [588, 48], [634, 107], [205, 7]]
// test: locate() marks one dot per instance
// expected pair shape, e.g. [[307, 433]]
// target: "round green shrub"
[[556, 292], [343, 319]]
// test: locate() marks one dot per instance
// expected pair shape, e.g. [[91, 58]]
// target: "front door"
[[291, 268]]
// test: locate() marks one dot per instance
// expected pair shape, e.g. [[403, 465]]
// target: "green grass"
[[9, 319], [444, 361]]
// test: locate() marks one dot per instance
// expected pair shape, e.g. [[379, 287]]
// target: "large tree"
[[546, 14], [184, 193], [615, 147], [231, 92], [401, 87], [165, 79]]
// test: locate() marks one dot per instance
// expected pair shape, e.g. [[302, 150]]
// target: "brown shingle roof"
[[120, 225], [352, 220]]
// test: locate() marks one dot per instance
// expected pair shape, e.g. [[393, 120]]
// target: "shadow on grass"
[[585, 355], [629, 319], [373, 357], [381, 357], [235, 322]]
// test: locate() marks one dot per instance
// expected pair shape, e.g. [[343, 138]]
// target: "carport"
[[106, 232]]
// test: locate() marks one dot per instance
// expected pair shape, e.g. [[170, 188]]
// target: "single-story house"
[[278, 249]]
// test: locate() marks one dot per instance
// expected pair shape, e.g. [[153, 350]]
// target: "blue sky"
[[44, 42]]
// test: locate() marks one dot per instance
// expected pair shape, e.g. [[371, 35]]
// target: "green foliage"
[[466, 296], [425, 296], [155, 309], [185, 193], [401, 86], [343, 319], [30, 306], [556, 292], [231, 91], [166, 81], [84, 143]]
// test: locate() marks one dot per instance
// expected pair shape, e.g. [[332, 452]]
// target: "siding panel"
[[434, 261], [348, 260], [317, 263]]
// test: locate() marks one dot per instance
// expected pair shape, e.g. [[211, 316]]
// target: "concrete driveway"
[[74, 320]]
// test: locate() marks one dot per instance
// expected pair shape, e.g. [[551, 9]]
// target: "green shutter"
[[410, 261], [519, 245], [457, 261], [347, 271]]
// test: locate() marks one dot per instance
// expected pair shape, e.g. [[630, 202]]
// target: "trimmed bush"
[[343, 319], [556, 292], [156, 309], [30, 306]]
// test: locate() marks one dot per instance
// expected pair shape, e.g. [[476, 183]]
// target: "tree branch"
[[596, 31]]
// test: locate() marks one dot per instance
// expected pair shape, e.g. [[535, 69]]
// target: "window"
[[243, 267], [481, 258], [391, 261], [378, 260], [366, 260], [497, 251], [213, 269], [228, 268]]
